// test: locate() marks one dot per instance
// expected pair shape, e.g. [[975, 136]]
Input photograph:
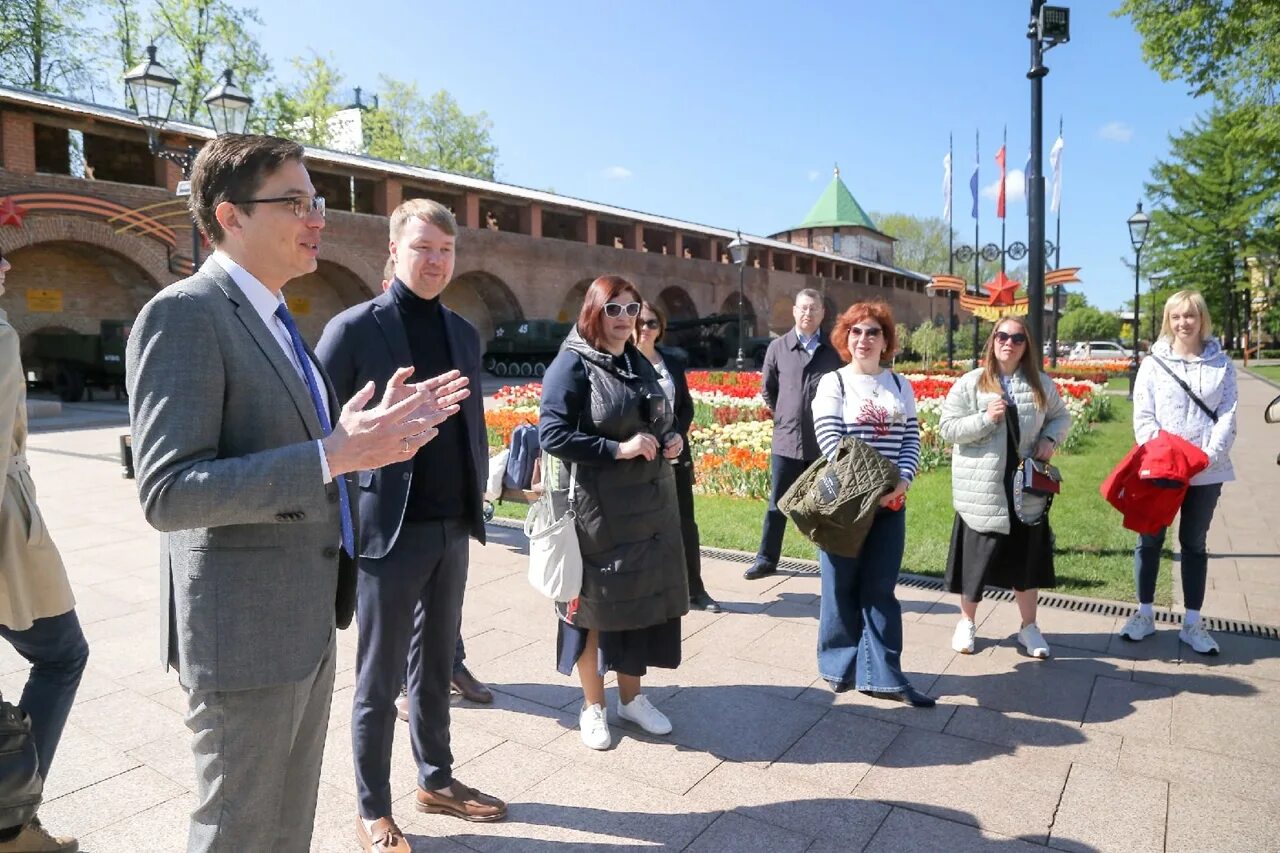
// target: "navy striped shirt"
[[873, 409]]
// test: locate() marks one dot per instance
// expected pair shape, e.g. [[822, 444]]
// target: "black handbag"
[[21, 787]]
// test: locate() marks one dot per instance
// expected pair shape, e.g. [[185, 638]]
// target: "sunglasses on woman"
[[650, 324], [617, 309], [1017, 337], [868, 332]]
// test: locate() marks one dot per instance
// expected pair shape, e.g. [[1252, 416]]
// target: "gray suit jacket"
[[224, 435]]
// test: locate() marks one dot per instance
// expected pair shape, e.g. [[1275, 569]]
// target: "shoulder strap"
[[840, 382], [1185, 387], [897, 380]]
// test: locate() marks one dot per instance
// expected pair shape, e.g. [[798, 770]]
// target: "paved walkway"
[[1109, 746]]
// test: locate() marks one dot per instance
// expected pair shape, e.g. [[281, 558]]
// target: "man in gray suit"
[[242, 453]]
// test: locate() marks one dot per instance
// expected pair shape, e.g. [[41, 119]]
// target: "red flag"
[[1000, 197]]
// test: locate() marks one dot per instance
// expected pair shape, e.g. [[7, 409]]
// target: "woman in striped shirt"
[[860, 624]]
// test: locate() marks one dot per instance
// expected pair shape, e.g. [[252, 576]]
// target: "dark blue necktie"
[[304, 361]]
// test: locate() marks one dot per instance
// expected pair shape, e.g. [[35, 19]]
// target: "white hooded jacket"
[[1159, 403]]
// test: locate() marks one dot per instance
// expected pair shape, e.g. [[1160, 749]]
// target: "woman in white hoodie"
[[1186, 386]]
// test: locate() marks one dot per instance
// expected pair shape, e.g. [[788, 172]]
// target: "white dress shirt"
[[265, 303]]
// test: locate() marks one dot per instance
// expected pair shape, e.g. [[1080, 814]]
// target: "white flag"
[[946, 187], [1055, 162]]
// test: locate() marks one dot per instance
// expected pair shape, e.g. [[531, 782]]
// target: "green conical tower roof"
[[837, 208]]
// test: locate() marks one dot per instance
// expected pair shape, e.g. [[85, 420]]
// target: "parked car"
[[1099, 351]]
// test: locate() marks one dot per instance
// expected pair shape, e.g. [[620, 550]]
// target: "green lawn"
[[1270, 371], [1094, 555]]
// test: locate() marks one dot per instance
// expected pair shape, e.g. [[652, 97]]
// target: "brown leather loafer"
[[385, 838], [471, 688], [466, 803]]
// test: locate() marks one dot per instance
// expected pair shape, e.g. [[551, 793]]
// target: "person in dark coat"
[[605, 424], [670, 365], [793, 364]]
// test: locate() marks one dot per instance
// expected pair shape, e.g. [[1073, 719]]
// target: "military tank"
[[524, 347]]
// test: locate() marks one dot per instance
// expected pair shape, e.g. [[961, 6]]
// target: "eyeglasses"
[[617, 309], [1016, 337], [809, 309], [650, 324], [868, 332], [303, 205]]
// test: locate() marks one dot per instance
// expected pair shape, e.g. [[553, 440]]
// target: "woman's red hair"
[[880, 312], [606, 288]]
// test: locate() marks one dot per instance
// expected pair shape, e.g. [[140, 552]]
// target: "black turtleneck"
[[441, 477]]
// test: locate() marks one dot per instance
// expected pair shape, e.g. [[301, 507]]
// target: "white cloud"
[[1116, 131], [1015, 188], [813, 175], [617, 173]]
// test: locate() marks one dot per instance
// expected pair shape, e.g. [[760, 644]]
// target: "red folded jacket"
[[1150, 482]]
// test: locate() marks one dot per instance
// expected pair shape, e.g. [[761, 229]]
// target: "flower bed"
[[732, 429]]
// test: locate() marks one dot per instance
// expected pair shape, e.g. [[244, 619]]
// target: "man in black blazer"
[[415, 520]]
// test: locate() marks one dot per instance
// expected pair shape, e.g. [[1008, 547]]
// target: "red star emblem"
[[10, 212], [1001, 290]]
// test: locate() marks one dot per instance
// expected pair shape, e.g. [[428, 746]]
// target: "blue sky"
[[732, 114]]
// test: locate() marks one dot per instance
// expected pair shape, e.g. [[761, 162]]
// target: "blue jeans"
[[56, 648], [783, 472], [1193, 531], [860, 624]]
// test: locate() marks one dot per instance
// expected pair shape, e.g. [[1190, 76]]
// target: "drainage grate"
[[1054, 600]]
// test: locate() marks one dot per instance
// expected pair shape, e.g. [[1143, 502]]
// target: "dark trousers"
[[56, 648], [860, 622], [408, 604], [1193, 533], [783, 471], [689, 530]]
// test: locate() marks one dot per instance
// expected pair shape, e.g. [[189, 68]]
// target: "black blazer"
[[683, 404], [368, 343]]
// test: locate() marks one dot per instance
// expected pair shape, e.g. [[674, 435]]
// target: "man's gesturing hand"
[[403, 420]]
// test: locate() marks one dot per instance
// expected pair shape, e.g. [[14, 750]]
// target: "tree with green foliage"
[[1088, 324], [929, 342], [302, 110], [432, 131], [1217, 47], [1217, 203], [44, 47]]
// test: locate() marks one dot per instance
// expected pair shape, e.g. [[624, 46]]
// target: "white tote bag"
[[497, 467], [555, 558]]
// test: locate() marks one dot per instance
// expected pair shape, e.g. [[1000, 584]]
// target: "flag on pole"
[[946, 187], [1000, 197], [1055, 162], [973, 188]]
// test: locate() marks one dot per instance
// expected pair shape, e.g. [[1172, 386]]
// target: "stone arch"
[[89, 283], [678, 304], [750, 320], [572, 302], [780, 316], [145, 253], [315, 298], [484, 300]]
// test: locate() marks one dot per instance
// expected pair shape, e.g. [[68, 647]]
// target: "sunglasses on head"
[[617, 309], [650, 324], [1016, 337]]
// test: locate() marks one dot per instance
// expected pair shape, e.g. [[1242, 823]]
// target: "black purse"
[[21, 787]]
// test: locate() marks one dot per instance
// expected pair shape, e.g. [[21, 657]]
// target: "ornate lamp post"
[[739, 250], [1138, 225], [152, 89]]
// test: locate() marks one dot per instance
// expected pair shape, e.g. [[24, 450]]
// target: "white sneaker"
[[1032, 640], [963, 639], [593, 724], [1198, 638], [1138, 627], [641, 712]]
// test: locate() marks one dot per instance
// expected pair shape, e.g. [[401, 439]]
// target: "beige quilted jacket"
[[978, 458]]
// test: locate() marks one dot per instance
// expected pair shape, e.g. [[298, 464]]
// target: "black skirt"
[[1020, 559], [626, 652]]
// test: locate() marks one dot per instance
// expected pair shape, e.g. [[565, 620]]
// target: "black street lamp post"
[[152, 89], [1049, 27], [1138, 225], [739, 250], [990, 253]]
